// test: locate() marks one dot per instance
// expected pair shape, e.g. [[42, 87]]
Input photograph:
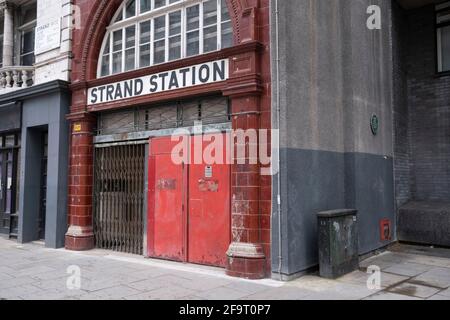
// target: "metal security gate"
[[119, 198]]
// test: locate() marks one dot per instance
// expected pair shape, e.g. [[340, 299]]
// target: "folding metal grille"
[[119, 198]]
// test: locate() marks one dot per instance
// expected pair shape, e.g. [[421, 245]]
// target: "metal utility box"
[[338, 243]]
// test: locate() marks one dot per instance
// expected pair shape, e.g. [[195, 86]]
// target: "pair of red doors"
[[189, 203]]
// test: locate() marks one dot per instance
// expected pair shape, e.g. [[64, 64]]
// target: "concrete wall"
[[335, 74], [45, 112]]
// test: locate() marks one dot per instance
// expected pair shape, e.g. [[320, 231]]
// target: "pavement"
[[33, 272]]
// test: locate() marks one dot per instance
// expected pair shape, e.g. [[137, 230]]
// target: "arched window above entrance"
[[144, 33]]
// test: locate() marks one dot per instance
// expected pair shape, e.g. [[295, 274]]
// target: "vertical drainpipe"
[[277, 59]]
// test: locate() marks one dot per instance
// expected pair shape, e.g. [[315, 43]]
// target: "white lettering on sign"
[[200, 74], [48, 36]]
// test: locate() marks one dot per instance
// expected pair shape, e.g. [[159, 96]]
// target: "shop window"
[[443, 36], [9, 182], [151, 32]]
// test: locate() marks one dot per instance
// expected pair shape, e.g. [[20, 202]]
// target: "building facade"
[[34, 100], [213, 131], [142, 71]]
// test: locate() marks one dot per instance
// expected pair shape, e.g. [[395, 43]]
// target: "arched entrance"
[[248, 90]]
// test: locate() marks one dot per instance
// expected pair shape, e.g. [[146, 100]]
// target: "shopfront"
[[149, 77]]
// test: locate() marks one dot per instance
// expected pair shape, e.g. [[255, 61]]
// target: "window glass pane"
[[210, 12], [27, 49], [130, 10], [130, 37], [444, 48], [27, 60], [443, 16], [145, 32], [28, 42], [225, 14], [192, 18], [9, 185], [1, 52], [9, 141], [130, 56], [160, 28], [117, 62], [17, 178], [173, 1], [227, 35], [144, 60], [29, 13], [175, 23], [160, 3], [146, 5], [175, 48], [117, 40], [159, 51], [119, 17], [107, 48], [210, 39], [105, 65], [192, 41]]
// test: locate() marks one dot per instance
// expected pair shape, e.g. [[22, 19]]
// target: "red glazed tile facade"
[[249, 90]]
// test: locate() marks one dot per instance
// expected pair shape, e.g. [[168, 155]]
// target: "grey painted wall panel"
[[319, 181], [45, 112], [29, 185]]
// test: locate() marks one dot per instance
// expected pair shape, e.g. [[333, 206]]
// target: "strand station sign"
[[205, 73]]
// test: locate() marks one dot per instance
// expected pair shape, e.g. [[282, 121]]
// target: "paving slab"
[[445, 293], [165, 293], [283, 293], [436, 277], [385, 296], [408, 269], [116, 292], [414, 290], [222, 293], [361, 278]]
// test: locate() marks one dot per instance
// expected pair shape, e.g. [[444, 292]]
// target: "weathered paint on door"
[[166, 216], [189, 204], [209, 205]]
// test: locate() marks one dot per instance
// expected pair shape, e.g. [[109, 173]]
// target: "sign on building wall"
[[200, 74], [48, 36]]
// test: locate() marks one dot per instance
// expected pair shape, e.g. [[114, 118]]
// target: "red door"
[[202, 234], [167, 190], [209, 205]]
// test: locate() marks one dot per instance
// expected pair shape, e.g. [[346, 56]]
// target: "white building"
[[35, 37]]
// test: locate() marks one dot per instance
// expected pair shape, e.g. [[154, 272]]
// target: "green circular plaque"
[[374, 124]]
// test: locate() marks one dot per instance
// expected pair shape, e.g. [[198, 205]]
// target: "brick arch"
[[104, 10]]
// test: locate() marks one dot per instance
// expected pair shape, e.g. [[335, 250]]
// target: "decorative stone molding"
[[16, 77]]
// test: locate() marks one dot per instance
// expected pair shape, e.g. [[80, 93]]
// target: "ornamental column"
[[246, 258], [8, 33], [80, 235]]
